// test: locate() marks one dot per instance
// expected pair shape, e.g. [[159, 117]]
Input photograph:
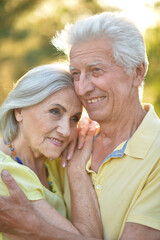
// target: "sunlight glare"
[[139, 11]]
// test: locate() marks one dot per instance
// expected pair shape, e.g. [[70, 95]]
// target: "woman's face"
[[50, 125]]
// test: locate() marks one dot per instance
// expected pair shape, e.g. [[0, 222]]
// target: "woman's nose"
[[64, 128]]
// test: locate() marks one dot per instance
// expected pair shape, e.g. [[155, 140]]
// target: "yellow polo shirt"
[[128, 181]]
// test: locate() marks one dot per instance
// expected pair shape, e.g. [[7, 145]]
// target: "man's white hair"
[[126, 40]]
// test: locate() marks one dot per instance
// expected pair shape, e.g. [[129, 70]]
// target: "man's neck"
[[114, 133], [124, 126]]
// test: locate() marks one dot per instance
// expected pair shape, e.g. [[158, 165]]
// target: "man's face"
[[102, 85]]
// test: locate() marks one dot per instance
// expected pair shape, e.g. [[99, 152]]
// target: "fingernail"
[[5, 173], [64, 165], [69, 156], [80, 146]]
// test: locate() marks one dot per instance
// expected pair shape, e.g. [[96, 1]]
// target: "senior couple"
[[120, 162]]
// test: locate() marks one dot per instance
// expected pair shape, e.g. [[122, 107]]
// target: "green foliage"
[[152, 81], [26, 30], [27, 26]]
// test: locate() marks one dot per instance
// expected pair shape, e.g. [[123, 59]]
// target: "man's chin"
[[95, 116]]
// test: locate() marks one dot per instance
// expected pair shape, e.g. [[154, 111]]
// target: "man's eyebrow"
[[71, 68], [94, 63], [89, 64]]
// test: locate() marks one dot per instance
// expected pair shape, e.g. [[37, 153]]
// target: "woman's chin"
[[51, 157]]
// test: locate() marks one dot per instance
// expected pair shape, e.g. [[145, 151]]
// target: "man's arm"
[[134, 231], [18, 217]]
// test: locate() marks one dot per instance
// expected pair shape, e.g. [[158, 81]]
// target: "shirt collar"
[[141, 141], [117, 152], [139, 144]]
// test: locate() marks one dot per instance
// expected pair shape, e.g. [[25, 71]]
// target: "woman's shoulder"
[[24, 176], [4, 158], [8, 163]]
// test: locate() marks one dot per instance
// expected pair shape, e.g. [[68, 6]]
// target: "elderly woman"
[[38, 120]]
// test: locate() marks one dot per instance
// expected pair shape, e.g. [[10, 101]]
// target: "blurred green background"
[[26, 29]]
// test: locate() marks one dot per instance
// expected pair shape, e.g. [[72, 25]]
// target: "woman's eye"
[[55, 111], [75, 119]]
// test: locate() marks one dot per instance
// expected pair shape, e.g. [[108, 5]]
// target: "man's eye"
[[96, 69], [75, 75], [96, 72]]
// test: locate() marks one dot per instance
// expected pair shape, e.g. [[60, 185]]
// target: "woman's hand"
[[81, 156], [84, 125], [84, 203]]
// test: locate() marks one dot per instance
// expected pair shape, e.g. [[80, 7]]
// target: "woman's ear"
[[139, 75], [18, 114]]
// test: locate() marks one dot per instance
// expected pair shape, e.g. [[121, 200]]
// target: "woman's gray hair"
[[32, 88], [127, 42]]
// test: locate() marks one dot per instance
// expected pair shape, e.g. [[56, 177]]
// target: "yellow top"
[[31, 185], [55, 198], [128, 181]]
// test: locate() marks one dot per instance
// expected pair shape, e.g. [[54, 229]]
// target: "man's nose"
[[84, 85], [64, 128]]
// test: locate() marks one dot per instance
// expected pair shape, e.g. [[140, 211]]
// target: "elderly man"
[[108, 62]]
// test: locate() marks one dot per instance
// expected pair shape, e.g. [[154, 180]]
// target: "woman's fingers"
[[87, 148], [94, 125], [81, 137], [64, 157], [68, 152], [82, 155], [84, 126], [71, 148]]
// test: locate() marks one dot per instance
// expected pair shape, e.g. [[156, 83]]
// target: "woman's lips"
[[56, 141]]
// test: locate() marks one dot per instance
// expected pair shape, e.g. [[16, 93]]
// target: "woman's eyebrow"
[[59, 105], [78, 113]]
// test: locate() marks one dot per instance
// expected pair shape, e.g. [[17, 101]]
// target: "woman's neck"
[[28, 157]]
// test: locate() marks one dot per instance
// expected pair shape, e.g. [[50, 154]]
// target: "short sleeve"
[[24, 176], [146, 210]]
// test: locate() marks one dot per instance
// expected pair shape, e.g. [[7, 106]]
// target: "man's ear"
[[139, 75], [18, 114]]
